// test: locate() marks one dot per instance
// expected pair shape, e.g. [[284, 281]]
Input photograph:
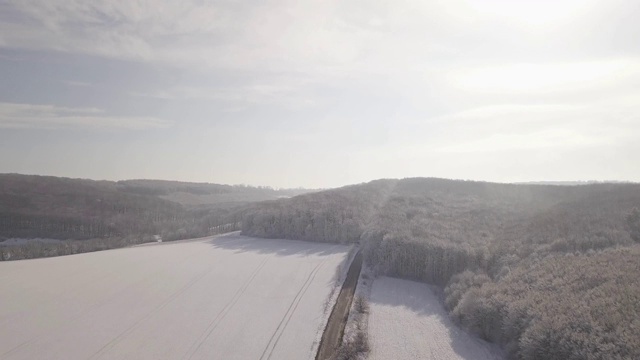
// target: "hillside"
[[106, 214], [205, 194], [506, 255]]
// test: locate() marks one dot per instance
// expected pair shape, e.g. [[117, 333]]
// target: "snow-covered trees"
[[581, 306], [526, 266], [633, 220], [330, 216], [96, 215]]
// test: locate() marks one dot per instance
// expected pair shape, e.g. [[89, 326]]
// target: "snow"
[[229, 297], [407, 321]]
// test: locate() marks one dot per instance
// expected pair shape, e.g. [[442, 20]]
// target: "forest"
[[545, 271], [89, 215]]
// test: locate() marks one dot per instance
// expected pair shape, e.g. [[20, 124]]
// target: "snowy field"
[[407, 321], [230, 297]]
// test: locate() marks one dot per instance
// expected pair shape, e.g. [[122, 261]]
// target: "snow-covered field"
[[230, 297], [408, 322]]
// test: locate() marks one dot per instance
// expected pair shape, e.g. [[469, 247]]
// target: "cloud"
[[77, 83], [136, 30], [547, 77], [29, 116], [286, 94], [500, 129], [324, 36], [504, 128], [543, 139], [406, 45]]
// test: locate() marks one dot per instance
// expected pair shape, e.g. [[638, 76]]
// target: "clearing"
[[407, 321], [228, 297]]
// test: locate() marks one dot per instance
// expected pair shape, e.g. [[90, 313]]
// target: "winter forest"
[[86, 215], [544, 271]]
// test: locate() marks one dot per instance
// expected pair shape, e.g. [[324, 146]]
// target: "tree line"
[[508, 257], [96, 215]]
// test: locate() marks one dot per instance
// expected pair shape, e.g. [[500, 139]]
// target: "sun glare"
[[541, 77], [531, 13]]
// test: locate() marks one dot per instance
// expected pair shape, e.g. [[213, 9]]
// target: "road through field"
[[230, 297]]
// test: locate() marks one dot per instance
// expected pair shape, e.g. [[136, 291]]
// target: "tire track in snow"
[[193, 349], [271, 345], [172, 297], [135, 325], [87, 310]]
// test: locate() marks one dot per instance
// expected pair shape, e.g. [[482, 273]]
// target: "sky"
[[292, 93]]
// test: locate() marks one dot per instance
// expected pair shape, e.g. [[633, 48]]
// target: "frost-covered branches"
[[549, 272]]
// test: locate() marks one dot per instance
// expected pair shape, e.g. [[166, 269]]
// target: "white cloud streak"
[[281, 93], [549, 77], [29, 116], [500, 129]]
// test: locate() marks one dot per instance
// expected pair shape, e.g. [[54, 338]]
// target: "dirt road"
[[332, 336]]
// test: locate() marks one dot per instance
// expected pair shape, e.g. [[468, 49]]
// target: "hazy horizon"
[[532, 182], [321, 94]]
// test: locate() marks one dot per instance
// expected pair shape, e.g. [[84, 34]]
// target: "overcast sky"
[[321, 93]]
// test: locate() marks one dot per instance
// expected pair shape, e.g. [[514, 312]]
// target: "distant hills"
[[571, 183], [105, 214], [206, 194]]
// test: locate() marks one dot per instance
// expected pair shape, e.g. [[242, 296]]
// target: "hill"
[[546, 271], [106, 214], [206, 194]]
